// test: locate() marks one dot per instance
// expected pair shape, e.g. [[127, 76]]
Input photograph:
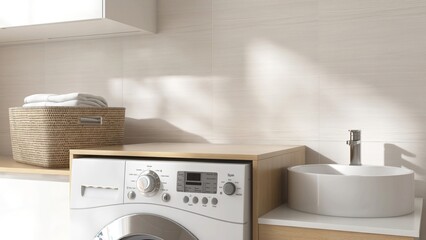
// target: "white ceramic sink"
[[351, 191]]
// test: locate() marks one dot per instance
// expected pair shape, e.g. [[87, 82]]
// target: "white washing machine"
[[143, 199]]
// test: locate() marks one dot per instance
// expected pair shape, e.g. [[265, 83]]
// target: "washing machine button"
[[165, 197], [186, 199], [205, 200], [131, 195], [229, 188], [195, 200], [214, 201]]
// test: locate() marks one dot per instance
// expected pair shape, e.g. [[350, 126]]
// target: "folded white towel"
[[72, 103], [65, 97]]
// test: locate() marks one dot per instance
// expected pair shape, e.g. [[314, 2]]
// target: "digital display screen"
[[197, 182], [191, 176]]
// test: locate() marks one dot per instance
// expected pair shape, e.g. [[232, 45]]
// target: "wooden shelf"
[[8, 165]]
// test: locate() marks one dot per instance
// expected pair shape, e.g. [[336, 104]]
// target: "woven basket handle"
[[91, 120]]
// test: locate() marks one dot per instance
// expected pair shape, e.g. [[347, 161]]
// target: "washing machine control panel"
[[218, 190], [196, 182]]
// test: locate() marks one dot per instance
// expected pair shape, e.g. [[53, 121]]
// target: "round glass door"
[[144, 227]]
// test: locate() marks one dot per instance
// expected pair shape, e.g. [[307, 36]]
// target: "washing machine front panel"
[[216, 190], [204, 200]]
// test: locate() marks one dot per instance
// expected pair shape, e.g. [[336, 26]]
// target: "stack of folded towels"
[[65, 100]]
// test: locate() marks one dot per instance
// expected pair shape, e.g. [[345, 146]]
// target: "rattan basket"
[[43, 136]]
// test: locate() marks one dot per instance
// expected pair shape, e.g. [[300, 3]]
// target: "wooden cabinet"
[[41, 20], [272, 232]]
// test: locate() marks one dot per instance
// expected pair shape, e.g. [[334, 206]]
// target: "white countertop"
[[407, 225]]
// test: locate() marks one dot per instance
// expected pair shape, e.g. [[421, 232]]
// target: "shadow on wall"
[[314, 157], [325, 160], [396, 156], [156, 130]]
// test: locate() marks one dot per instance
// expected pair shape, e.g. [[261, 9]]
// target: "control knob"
[[229, 188], [148, 183]]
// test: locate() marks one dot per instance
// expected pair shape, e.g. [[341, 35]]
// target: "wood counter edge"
[[74, 153], [9, 165]]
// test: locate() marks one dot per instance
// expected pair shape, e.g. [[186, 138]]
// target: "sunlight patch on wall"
[[115, 93], [184, 101], [284, 86]]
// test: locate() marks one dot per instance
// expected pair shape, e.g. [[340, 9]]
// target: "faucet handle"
[[355, 135]]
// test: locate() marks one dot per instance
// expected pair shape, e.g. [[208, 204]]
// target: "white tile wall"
[[5, 146], [93, 66], [251, 71], [21, 73], [167, 87], [264, 58]]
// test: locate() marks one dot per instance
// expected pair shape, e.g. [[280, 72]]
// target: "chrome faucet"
[[354, 143]]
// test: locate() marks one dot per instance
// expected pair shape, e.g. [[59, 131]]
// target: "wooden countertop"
[[8, 165], [159, 150], [191, 150]]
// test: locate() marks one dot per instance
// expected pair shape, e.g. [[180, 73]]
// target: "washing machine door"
[[144, 227]]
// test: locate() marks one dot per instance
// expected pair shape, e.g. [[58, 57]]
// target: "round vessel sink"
[[351, 191]]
